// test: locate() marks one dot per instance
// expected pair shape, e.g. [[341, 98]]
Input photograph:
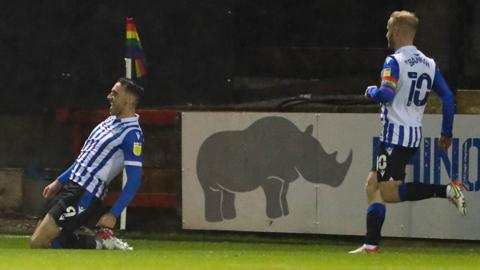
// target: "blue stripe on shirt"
[[410, 136], [385, 125], [400, 135], [416, 137], [390, 132], [420, 134]]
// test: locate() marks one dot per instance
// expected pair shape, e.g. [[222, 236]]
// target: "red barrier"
[[147, 117], [145, 200]]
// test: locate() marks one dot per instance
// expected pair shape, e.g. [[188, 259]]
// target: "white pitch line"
[[14, 236]]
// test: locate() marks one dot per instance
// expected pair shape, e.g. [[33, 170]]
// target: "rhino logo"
[[271, 153]]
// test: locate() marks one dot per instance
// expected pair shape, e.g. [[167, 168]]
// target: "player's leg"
[[376, 204], [389, 190], [68, 211], [85, 207], [398, 191], [46, 231], [375, 216], [371, 188], [375, 213], [90, 210]]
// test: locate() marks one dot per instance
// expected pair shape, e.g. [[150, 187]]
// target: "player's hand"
[[107, 220], [369, 90], [52, 189], [445, 143]]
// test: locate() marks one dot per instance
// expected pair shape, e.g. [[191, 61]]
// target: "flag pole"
[[123, 215], [128, 68]]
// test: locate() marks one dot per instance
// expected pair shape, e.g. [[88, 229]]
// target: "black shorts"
[[391, 162], [74, 207]]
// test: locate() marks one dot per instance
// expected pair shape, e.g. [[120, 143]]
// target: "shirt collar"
[[128, 119], [406, 48]]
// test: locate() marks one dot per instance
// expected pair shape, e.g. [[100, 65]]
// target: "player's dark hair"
[[132, 87]]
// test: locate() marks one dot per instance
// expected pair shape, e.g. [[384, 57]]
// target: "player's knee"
[[389, 191], [36, 242]]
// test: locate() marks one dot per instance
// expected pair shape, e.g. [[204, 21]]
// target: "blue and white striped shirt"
[[113, 144], [408, 76]]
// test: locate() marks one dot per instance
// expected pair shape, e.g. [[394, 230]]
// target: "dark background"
[[69, 53]]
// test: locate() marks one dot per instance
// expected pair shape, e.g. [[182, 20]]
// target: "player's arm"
[[134, 177], [440, 87], [132, 150], [388, 85]]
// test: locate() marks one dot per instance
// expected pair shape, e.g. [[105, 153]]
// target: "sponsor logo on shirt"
[[137, 149]]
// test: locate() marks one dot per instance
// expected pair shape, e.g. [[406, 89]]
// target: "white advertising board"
[[305, 173]]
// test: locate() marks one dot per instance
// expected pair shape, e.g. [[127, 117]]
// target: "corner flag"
[[134, 58]]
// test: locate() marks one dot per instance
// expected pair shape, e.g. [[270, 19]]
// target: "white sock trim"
[[450, 194], [99, 244]]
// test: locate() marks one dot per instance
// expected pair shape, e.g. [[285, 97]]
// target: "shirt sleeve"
[[388, 84], [440, 87], [65, 176], [132, 150], [134, 176]]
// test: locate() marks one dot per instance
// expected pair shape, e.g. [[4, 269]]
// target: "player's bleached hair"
[[132, 88], [405, 18]]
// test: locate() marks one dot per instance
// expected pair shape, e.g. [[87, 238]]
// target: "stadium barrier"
[[11, 184], [305, 173]]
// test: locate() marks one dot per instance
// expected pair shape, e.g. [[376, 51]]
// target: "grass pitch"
[[243, 254]]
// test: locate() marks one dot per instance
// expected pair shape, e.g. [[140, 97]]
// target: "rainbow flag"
[[135, 59]]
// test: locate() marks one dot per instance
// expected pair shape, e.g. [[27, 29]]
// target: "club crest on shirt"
[[137, 149]]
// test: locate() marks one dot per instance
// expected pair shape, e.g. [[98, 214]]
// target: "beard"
[[118, 108], [114, 110]]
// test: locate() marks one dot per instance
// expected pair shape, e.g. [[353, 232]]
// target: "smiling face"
[[121, 101]]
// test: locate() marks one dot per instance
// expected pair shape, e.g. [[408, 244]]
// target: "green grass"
[[245, 254]]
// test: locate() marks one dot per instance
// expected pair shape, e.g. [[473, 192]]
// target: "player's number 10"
[[416, 88]]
